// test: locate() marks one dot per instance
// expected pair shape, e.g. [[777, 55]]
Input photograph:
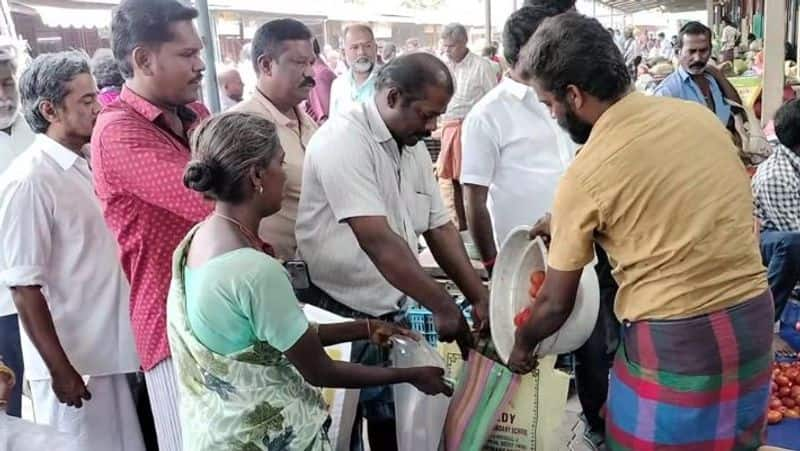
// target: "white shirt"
[[225, 102], [363, 173], [52, 234], [512, 145], [11, 146], [345, 94], [473, 77], [729, 34]]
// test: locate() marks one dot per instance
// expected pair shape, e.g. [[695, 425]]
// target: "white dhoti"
[[107, 422], [162, 388]]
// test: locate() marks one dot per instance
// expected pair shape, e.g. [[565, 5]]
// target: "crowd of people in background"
[[144, 241]]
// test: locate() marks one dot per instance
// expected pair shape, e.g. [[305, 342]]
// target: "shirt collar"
[[63, 156], [278, 117], [352, 77], [151, 112], [620, 111], [686, 76], [375, 122], [517, 89]]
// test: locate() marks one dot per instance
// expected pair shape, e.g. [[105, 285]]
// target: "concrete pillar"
[[774, 40], [488, 4], [210, 88], [710, 11]]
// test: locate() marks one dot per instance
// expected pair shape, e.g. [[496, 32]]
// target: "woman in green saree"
[[248, 362]]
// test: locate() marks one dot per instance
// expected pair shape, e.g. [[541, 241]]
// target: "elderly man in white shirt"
[[364, 204], [15, 136], [60, 261], [357, 85], [474, 77]]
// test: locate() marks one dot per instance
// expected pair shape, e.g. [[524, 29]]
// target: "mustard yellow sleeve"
[[575, 217]]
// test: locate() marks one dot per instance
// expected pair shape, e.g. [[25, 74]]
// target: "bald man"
[[357, 85], [363, 208], [231, 88]]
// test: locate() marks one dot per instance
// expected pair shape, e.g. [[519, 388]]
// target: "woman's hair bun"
[[199, 176]]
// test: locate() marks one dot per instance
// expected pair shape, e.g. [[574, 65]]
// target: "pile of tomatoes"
[[784, 401], [537, 280]]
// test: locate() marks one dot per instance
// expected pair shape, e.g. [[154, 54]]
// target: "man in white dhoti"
[[60, 261]]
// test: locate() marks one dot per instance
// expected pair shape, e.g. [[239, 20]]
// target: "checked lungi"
[[693, 384]]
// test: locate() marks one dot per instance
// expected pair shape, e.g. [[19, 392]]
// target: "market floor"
[[571, 430]]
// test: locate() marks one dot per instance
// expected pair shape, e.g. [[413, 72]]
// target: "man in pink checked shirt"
[[139, 152]]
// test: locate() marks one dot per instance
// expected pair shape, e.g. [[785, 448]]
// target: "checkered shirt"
[[776, 191]]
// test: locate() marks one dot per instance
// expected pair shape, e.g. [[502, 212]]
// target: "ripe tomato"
[[773, 387], [776, 372], [785, 365], [792, 413], [774, 417], [788, 402], [795, 391], [782, 380], [775, 403], [791, 373], [522, 317], [537, 280], [784, 391]]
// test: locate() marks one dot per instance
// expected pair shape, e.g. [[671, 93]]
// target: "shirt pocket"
[[421, 212]]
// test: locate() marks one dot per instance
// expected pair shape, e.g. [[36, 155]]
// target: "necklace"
[[255, 241]]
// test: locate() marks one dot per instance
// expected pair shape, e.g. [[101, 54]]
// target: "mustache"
[[197, 79], [697, 65], [308, 82]]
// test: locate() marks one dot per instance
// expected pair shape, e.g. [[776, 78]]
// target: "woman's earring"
[[260, 189]]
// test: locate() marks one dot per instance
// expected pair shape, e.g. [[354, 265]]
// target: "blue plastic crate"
[[791, 315], [421, 320]]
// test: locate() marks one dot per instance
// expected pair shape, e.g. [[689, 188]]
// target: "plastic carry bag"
[[420, 418], [20, 435], [527, 418]]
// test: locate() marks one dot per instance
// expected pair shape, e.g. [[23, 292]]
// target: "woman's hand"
[[430, 380], [381, 331]]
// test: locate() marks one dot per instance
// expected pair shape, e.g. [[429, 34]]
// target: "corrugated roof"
[[632, 6]]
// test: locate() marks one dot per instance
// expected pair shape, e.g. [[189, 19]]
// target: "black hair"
[[561, 6], [224, 150], [751, 37], [789, 51], [519, 28], [693, 28], [412, 73], [141, 22], [317, 50], [572, 49], [269, 38], [786, 120]]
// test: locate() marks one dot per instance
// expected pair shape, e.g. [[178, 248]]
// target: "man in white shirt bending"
[[15, 136], [60, 261], [473, 77]]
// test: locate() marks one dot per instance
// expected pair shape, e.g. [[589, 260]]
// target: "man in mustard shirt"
[[673, 210]]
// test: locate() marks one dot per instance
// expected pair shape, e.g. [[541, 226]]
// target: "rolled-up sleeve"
[[480, 151], [25, 234], [575, 218]]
